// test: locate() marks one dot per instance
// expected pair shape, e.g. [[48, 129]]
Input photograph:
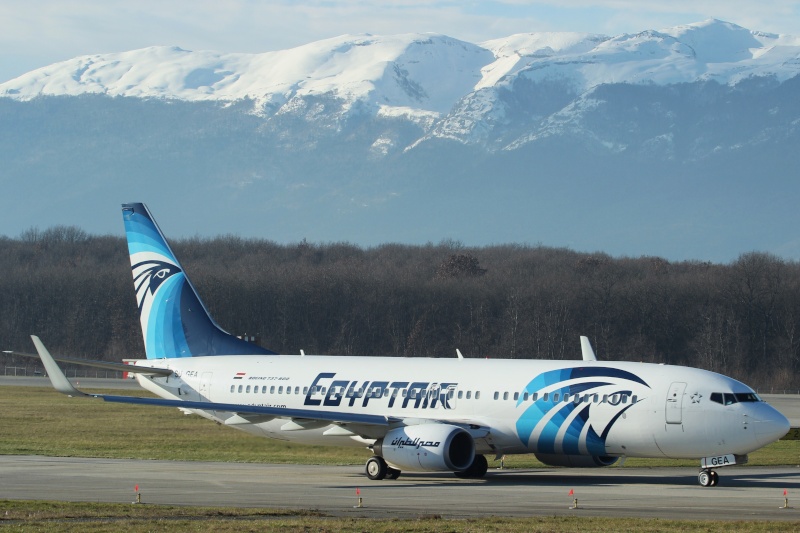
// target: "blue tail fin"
[[175, 323]]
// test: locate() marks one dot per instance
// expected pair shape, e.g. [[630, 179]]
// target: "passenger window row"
[[555, 397], [263, 388], [566, 397], [348, 393]]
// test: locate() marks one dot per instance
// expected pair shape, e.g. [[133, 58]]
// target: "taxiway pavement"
[[745, 493]]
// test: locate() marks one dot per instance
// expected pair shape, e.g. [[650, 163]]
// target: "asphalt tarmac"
[[744, 493]]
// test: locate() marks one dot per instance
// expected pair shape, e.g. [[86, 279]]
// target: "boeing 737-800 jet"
[[424, 414]]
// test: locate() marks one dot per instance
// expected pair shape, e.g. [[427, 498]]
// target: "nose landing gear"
[[708, 478]]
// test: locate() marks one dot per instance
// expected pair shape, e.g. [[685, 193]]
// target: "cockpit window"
[[747, 397], [728, 398]]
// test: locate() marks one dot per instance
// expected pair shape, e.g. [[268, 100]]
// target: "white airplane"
[[424, 414]]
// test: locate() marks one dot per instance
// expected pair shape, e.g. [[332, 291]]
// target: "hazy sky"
[[35, 33]]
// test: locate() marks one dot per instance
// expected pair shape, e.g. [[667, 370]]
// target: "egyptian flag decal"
[[239, 375]]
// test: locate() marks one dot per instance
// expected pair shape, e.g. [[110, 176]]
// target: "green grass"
[[40, 421], [36, 516]]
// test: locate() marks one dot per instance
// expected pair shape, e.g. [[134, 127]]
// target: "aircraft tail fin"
[[174, 321]]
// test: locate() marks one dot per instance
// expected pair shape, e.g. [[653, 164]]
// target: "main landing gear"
[[708, 478], [477, 469], [378, 469]]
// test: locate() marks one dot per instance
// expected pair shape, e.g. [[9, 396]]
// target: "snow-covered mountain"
[[451, 86], [644, 134], [422, 71]]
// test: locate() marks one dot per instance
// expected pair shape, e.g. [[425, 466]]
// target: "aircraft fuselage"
[[550, 407]]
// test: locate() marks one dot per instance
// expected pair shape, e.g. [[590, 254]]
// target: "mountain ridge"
[[557, 139], [352, 66]]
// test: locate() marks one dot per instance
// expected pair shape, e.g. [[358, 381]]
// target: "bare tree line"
[[741, 319]]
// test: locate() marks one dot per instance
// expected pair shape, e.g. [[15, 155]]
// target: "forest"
[[741, 319]]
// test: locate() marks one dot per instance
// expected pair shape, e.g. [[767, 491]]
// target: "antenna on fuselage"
[[458, 353], [586, 349]]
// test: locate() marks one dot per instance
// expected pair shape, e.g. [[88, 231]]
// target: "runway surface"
[[673, 493]]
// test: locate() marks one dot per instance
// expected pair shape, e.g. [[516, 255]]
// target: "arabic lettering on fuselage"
[[420, 394]]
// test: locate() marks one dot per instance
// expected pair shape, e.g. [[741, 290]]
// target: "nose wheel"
[[708, 478]]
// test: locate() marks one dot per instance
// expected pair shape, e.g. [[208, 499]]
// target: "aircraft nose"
[[770, 425]]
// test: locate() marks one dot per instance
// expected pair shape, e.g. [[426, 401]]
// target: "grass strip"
[[38, 516]]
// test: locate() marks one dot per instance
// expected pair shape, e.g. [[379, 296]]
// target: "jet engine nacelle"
[[576, 461], [427, 447]]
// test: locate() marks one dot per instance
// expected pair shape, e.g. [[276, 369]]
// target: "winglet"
[[586, 350], [458, 353], [57, 377]]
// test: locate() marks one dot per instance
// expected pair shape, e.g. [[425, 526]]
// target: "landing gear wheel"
[[376, 468], [479, 466], [705, 478], [392, 473], [477, 469], [714, 478]]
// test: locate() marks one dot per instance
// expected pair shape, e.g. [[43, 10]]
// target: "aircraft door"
[[674, 408]]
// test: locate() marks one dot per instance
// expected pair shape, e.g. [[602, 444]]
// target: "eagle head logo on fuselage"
[[573, 409]]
